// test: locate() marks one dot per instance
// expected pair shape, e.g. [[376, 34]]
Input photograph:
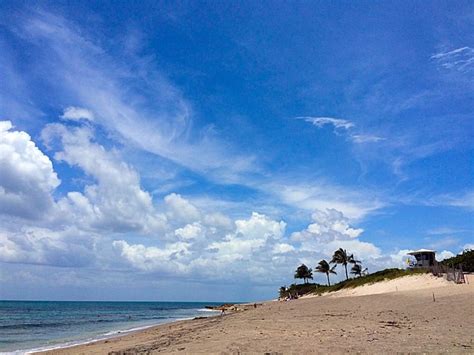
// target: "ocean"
[[35, 325]]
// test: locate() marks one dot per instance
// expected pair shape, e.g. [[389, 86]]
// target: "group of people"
[[289, 297]]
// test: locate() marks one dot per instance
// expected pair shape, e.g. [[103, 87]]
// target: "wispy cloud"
[[445, 242], [460, 59], [323, 121], [444, 231], [128, 95], [365, 138], [310, 196], [464, 200], [342, 125]]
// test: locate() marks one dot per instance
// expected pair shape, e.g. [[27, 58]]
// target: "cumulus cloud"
[[31, 245], [181, 209], [445, 254], [218, 220], [73, 113], [170, 258], [329, 231], [243, 252], [259, 226], [187, 242], [27, 178], [283, 248], [116, 200], [189, 231], [250, 235]]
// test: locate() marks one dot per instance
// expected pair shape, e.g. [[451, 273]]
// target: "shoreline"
[[103, 337], [400, 321], [124, 333], [119, 332], [71, 344]]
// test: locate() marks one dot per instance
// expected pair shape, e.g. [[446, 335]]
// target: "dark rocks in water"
[[218, 308]]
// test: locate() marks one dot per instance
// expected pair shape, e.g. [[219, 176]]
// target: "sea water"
[[36, 325]]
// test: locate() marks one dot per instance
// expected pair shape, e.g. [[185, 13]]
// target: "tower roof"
[[421, 251]]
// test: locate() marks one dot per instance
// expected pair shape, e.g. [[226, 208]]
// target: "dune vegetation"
[[340, 257], [464, 260], [315, 288]]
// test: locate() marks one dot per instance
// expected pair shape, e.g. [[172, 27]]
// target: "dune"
[[406, 283]]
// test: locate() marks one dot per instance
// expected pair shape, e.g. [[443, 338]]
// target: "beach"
[[431, 316]]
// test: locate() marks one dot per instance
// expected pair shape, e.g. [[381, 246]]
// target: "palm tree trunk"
[[329, 283], [347, 276]]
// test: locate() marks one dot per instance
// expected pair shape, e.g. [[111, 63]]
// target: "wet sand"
[[396, 321]]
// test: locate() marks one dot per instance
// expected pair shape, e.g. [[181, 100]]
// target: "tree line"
[[340, 257]]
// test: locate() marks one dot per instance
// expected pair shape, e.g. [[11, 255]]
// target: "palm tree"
[[356, 270], [323, 266], [302, 272], [340, 257]]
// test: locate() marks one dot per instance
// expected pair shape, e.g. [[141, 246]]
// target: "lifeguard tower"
[[424, 258]]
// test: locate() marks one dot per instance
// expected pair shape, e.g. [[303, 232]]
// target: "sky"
[[201, 151]]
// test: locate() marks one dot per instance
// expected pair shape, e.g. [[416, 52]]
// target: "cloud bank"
[[98, 225]]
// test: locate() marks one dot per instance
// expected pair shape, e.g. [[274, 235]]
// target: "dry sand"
[[392, 321], [409, 283]]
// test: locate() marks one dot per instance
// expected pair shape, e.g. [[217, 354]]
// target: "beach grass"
[[383, 275]]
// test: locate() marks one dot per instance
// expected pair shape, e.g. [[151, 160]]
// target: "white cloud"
[[469, 246], [218, 220], [116, 200], [167, 259], [466, 200], [245, 252], [260, 226], [77, 113], [345, 125], [330, 231], [364, 138], [322, 121], [250, 236], [189, 242], [181, 209], [319, 195], [32, 245], [27, 178], [129, 96], [189, 231], [445, 254], [283, 248], [462, 200], [331, 223], [460, 59], [444, 230], [445, 242], [398, 259]]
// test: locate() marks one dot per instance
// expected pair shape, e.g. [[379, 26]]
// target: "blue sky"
[[150, 149]]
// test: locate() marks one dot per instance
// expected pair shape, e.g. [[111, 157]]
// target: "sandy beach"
[[376, 318]]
